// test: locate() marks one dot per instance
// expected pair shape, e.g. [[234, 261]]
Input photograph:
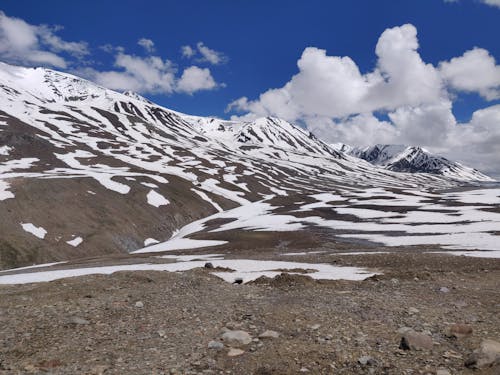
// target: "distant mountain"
[[87, 171], [411, 159]]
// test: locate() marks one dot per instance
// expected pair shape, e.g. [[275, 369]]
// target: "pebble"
[[315, 327], [443, 371], [366, 361], [209, 265], [162, 333], [444, 289], [79, 321], [236, 338], [217, 345], [233, 352], [412, 340], [413, 310], [268, 334], [139, 304]]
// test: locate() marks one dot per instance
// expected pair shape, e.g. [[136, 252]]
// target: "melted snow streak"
[[264, 175]]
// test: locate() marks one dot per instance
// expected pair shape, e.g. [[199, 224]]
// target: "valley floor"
[[165, 322]]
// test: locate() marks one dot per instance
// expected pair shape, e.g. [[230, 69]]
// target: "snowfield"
[[119, 173]]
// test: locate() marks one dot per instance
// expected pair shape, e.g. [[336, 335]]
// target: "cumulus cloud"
[[141, 74], [338, 102], [147, 44], [195, 79], [151, 75], [475, 71], [188, 51], [205, 54], [23, 43], [495, 3], [333, 86]]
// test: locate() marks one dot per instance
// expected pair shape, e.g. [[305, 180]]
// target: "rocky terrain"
[[442, 307]]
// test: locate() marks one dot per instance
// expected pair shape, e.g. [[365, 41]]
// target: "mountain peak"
[[414, 159]]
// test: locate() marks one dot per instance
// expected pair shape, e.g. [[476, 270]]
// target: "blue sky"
[[252, 47]]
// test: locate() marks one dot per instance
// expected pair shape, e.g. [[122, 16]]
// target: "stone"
[[403, 330], [236, 338], [413, 311], [139, 304], [233, 352], [444, 289], [209, 265], [217, 345], [443, 371], [268, 334], [412, 340], [162, 333], [79, 321], [315, 327], [458, 330], [367, 361], [488, 354], [238, 280]]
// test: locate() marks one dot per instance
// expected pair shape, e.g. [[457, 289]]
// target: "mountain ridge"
[[116, 172], [412, 159]]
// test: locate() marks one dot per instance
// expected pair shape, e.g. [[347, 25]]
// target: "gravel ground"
[[172, 323]]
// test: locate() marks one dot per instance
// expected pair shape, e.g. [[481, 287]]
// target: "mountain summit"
[[412, 159]]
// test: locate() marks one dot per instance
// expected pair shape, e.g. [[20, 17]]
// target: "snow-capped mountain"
[[412, 159], [88, 171]]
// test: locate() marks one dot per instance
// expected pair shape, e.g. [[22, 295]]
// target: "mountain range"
[[86, 171], [412, 159]]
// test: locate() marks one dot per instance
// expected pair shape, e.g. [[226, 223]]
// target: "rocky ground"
[[426, 314]]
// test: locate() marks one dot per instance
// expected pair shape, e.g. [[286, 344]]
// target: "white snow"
[[75, 242], [4, 193], [301, 253], [34, 266], [150, 241], [179, 244], [149, 185], [34, 230], [247, 269], [156, 199], [5, 150]]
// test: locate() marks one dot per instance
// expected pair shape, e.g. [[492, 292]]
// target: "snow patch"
[[34, 230], [156, 199], [75, 242]]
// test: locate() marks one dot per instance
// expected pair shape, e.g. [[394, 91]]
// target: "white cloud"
[[151, 75], [333, 86], [144, 75], [188, 51], [206, 54], [474, 71], [338, 102], [147, 44], [212, 56], [195, 79], [22, 43], [495, 3]]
